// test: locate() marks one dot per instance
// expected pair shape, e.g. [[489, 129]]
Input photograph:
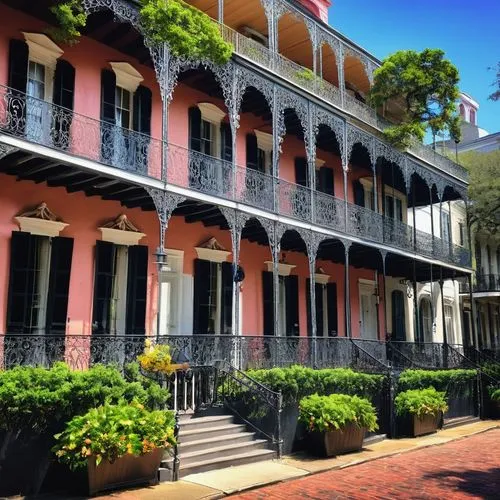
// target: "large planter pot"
[[124, 472], [413, 426], [328, 444]]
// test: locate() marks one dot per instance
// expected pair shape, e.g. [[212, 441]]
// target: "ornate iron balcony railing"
[[304, 78], [482, 283], [49, 125]]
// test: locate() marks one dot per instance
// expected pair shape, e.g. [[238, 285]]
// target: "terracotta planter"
[[124, 472], [329, 444], [413, 426]]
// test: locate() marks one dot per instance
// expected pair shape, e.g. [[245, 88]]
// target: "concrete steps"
[[455, 422], [214, 441]]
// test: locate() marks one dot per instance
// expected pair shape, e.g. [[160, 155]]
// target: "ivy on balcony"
[[188, 32]]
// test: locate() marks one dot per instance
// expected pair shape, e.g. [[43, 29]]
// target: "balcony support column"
[[445, 333], [347, 291], [278, 126], [412, 189], [220, 11], [313, 240], [340, 71], [384, 290], [165, 203], [275, 243], [165, 101], [311, 157], [375, 189], [416, 328], [473, 313]]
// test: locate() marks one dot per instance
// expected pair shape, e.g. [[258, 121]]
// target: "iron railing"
[[56, 127], [306, 79], [252, 402]]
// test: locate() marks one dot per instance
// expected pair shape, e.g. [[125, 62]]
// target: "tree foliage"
[[426, 84], [187, 31], [495, 96], [484, 189]]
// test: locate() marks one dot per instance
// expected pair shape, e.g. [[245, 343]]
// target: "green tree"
[[484, 189], [426, 86], [495, 96]]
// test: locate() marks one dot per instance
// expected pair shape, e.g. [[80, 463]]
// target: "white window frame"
[[367, 288], [214, 115], [367, 184], [171, 285]]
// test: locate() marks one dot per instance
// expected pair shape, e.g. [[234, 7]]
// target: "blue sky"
[[468, 31]]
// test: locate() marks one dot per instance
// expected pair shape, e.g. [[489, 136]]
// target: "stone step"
[[253, 456], [220, 452], [207, 443], [455, 422], [205, 422], [195, 434]]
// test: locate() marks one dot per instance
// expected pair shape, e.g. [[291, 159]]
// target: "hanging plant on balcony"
[[188, 32]]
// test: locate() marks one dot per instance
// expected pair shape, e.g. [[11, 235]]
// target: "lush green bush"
[[112, 431], [328, 413], [492, 370], [39, 398], [439, 379], [495, 395], [297, 382], [420, 402]]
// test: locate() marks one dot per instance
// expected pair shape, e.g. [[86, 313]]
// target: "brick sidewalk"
[[467, 468]]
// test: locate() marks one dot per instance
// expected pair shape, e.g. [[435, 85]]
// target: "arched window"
[[462, 111], [425, 319], [472, 116]]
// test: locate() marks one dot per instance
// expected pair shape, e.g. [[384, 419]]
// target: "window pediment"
[[283, 269], [40, 221], [264, 140], [42, 49], [127, 76], [211, 113], [121, 231], [213, 251]]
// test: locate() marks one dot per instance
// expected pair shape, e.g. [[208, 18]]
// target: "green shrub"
[[439, 379], [112, 431], [420, 402], [39, 398], [297, 382], [328, 413], [492, 370], [495, 395]]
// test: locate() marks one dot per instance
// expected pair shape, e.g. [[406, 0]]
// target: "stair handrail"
[[272, 399], [411, 363], [385, 367]]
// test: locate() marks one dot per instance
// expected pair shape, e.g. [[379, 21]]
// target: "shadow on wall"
[[480, 484]]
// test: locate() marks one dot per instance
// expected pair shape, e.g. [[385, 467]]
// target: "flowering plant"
[[112, 431], [156, 359]]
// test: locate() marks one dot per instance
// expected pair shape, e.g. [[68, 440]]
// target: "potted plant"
[[337, 423], [116, 445], [157, 360], [420, 411]]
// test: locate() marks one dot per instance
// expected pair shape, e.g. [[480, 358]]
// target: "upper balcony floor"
[[230, 132]]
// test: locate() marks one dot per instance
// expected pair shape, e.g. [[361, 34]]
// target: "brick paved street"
[[468, 468]]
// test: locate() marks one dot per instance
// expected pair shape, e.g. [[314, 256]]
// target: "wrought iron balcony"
[[483, 283], [49, 125], [304, 78], [46, 124]]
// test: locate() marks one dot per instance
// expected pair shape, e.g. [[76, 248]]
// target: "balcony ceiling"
[[27, 167]]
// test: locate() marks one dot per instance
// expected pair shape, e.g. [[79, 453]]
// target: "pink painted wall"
[[84, 215]]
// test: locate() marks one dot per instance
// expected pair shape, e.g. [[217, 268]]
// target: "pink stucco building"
[[253, 200]]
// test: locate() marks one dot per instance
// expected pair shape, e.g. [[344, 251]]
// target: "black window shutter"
[[201, 296], [103, 283], [20, 298], [252, 152], [359, 193], [137, 280], [319, 310], [18, 79], [108, 91], [326, 181], [398, 316], [18, 65], [60, 270], [227, 298], [63, 95], [301, 171], [331, 308], [268, 303], [292, 305], [141, 119], [194, 129], [226, 142]]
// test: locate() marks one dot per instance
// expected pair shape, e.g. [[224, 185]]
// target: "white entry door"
[[367, 312]]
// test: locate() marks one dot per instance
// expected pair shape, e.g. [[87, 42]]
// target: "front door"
[[368, 312]]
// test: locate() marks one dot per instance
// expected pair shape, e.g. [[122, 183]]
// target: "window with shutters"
[[264, 152], [393, 207], [448, 319], [213, 282], [120, 289], [210, 129], [326, 308], [38, 283], [426, 319]]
